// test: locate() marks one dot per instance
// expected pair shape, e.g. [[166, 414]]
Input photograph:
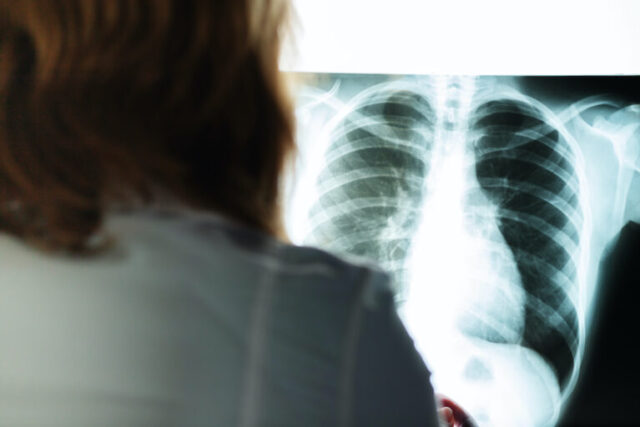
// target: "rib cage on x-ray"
[[381, 163], [371, 192]]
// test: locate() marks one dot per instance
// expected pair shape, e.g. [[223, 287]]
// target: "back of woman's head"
[[106, 102]]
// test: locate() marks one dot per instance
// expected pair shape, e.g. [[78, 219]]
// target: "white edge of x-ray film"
[[489, 37]]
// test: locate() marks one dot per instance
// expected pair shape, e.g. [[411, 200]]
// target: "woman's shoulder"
[[179, 249], [220, 292], [208, 233]]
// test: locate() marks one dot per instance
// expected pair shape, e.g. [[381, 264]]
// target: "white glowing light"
[[490, 37]]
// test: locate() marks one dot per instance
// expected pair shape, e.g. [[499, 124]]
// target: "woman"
[[144, 274]]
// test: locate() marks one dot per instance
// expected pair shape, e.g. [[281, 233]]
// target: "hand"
[[451, 414]]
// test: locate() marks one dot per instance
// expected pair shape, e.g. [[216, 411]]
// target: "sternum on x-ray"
[[489, 207]]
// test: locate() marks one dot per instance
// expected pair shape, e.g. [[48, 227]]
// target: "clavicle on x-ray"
[[490, 208]]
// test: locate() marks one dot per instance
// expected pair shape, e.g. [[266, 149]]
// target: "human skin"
[[452, 414]]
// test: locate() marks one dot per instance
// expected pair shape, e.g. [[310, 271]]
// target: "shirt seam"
[[345, 402]]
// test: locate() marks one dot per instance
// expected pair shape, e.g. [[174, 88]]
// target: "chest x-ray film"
[[490, 201]]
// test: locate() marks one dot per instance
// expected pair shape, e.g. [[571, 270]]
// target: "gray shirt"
[[191, 320]]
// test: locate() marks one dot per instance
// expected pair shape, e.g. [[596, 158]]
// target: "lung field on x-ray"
[[528, 170], [371, 187], [477, 195]]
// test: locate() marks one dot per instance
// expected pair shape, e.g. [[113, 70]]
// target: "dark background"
[[567, 90], [608, 388]]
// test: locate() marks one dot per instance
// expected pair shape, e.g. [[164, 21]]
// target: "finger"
[[446, 415]]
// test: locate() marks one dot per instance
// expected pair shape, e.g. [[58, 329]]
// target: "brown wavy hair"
[[112, 102]]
